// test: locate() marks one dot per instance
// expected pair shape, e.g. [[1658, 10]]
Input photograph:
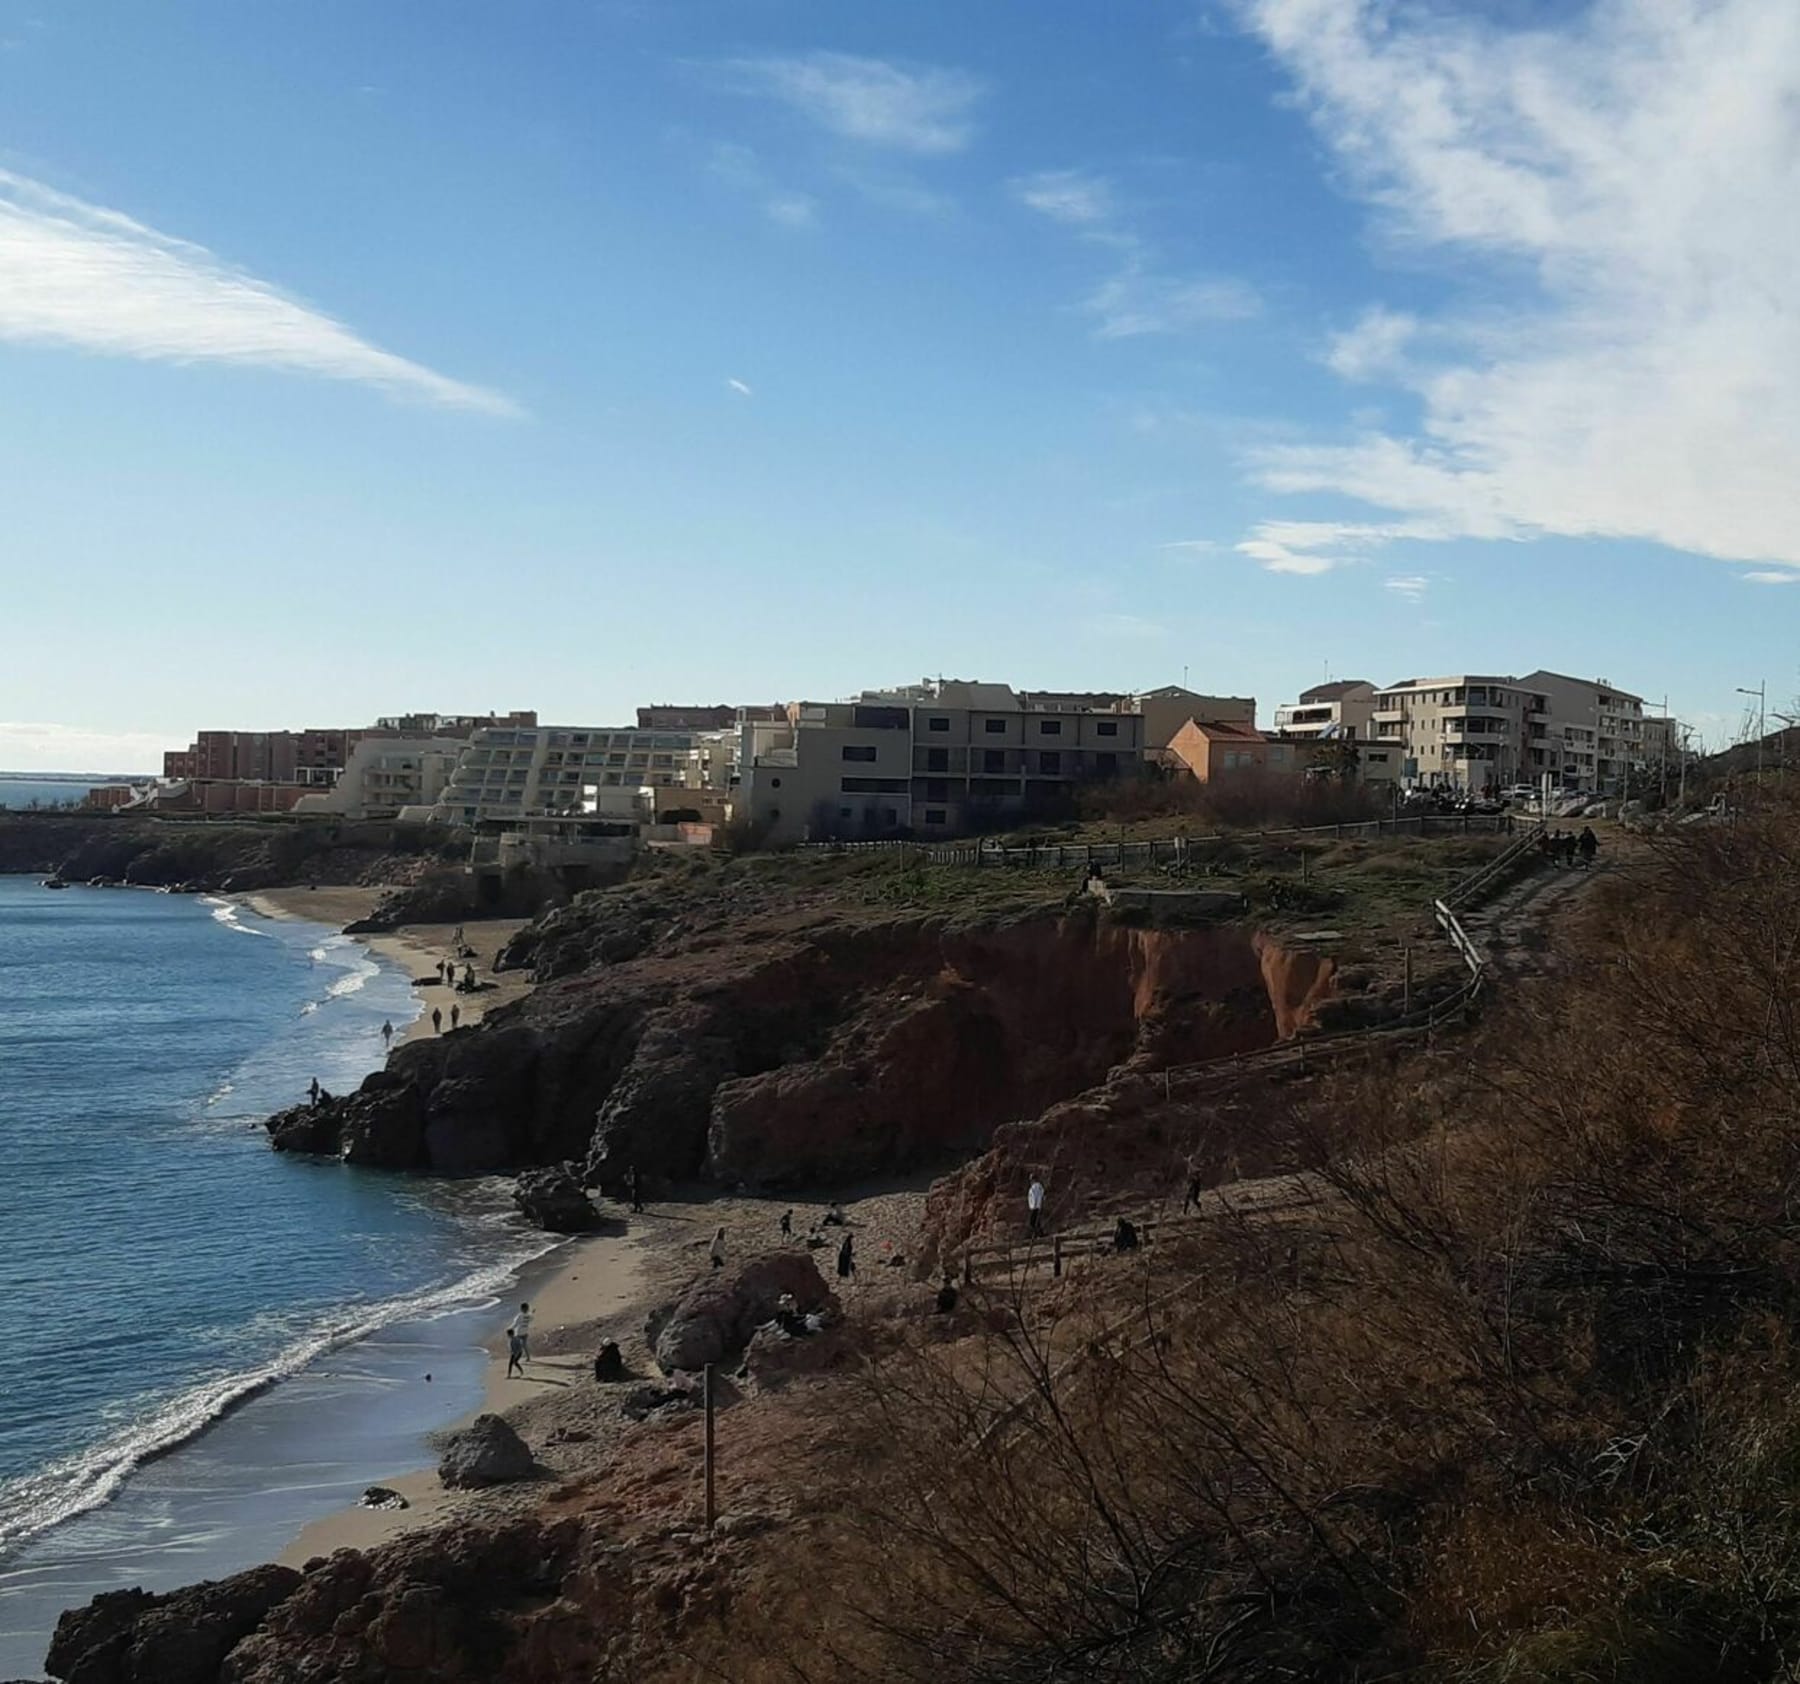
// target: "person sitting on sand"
[[1125, 1235], [834, 1218], [521, 1330], [717, 1253]]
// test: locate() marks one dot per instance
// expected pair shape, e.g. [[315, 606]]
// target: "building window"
[[1049, 727], [993, 760], [1049, 761], [934, 815], [859, 751], [1108, 728], [937, 723], [937, 760], [994, 727]]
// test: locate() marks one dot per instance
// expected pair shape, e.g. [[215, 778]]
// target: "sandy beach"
[[416, 948]]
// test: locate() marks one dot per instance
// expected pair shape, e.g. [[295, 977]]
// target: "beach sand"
[[416, 948], [577, 1295]]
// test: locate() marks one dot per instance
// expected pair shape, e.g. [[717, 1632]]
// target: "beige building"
[[1469, 732], [1341, 708], [1165, 711], [383, 775], [931, 760], [1599, 735]]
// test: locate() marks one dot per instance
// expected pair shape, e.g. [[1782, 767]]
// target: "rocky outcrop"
[[553, 1199], [486, 1452], [717, 1316], [222, 854], [133, 1637]]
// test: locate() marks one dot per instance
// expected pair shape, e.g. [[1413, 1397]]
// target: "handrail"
[[1423, 1019]]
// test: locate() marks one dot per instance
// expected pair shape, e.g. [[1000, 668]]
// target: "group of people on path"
[[1562, 846]]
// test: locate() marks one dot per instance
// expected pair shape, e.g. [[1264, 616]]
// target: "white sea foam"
[[82, 1481], [355, 980], [226, 912]]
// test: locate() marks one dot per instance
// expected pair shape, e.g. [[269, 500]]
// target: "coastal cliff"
[[787, 1041], [237, 855]]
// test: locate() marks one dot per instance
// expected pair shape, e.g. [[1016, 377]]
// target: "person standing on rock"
[[1034, 1207], [313, 1091], [847, 1257], [521, 1331], [718, 1250], [437, 1020]]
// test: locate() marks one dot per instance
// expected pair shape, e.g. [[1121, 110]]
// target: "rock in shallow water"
[[486, 1452]]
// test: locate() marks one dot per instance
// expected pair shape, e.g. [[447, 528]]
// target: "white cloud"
[[1193, 546], [792, 210], [1631, 176], [923, 109], [76, 274], [1134, 302], [1412, 586], [1770, 578], [739, 168], [1070, 196], [1316, 546], [1374, 349], [37, 746], [739, 387]]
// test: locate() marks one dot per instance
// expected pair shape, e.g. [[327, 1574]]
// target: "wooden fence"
[[1421, 1021]]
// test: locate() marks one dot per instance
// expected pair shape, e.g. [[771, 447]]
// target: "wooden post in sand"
[[706, 1396]]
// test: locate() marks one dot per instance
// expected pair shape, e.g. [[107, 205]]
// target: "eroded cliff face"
[[804, 1056]]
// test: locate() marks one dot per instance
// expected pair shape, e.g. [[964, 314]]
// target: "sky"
[[580, 354]]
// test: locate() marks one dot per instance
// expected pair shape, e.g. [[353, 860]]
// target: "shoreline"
[[414, 948]]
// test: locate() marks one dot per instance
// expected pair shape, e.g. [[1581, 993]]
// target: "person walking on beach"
[[787, 1224], [455, 1015], [387, 1035], [847, 1257], [1589, 844], [521, 1330], [515, 1350], [718, 1250], [1034, 1207], [437, 1020]]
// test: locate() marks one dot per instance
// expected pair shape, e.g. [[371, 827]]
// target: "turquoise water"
[[159, 1264]]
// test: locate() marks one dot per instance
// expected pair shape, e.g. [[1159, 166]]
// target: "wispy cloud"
[[739, 168], [1637, 163], [1770, 577], [1311, 547], [1071, 196], [1412, 586], [738, 386], [924, 109], [1134, 302], [76, 274], [1193, 546]]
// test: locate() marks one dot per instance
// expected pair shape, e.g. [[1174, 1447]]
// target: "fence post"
[[706, 1393], [1056, 1257]]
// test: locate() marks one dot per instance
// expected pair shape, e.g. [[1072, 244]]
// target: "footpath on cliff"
[[802, 1038]]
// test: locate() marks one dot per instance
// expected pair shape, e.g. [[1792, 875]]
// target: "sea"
[[206, 1345]]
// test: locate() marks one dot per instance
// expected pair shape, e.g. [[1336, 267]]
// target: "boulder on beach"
[[486, 1452], [718, 1316], [131, 1636], [554, 1200], [382, 1497]]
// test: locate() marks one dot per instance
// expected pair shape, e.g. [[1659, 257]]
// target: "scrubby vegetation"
[[1514, 1400]]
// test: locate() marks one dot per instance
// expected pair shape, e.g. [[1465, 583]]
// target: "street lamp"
[[1761, 693]]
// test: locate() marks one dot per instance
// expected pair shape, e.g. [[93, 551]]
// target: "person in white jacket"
[[1034, 1207]]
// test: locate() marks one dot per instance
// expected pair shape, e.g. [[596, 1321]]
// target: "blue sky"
[[357, 358]]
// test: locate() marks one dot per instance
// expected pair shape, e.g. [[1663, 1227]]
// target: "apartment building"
[[1166, 710], [1341, 708], [933, 760], [1470, 731], [1599, 734], [510, 771], [385, 775]]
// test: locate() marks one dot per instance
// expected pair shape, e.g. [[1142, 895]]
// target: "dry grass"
[[1515, 1402]]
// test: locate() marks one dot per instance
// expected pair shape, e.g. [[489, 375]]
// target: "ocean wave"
[[354, 981], [84, 1480], [226, 912]]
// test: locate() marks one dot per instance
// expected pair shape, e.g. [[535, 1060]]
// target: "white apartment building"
[[512, 771], [933, 760], [1599, 733], [385, 775], [1341, 708]]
